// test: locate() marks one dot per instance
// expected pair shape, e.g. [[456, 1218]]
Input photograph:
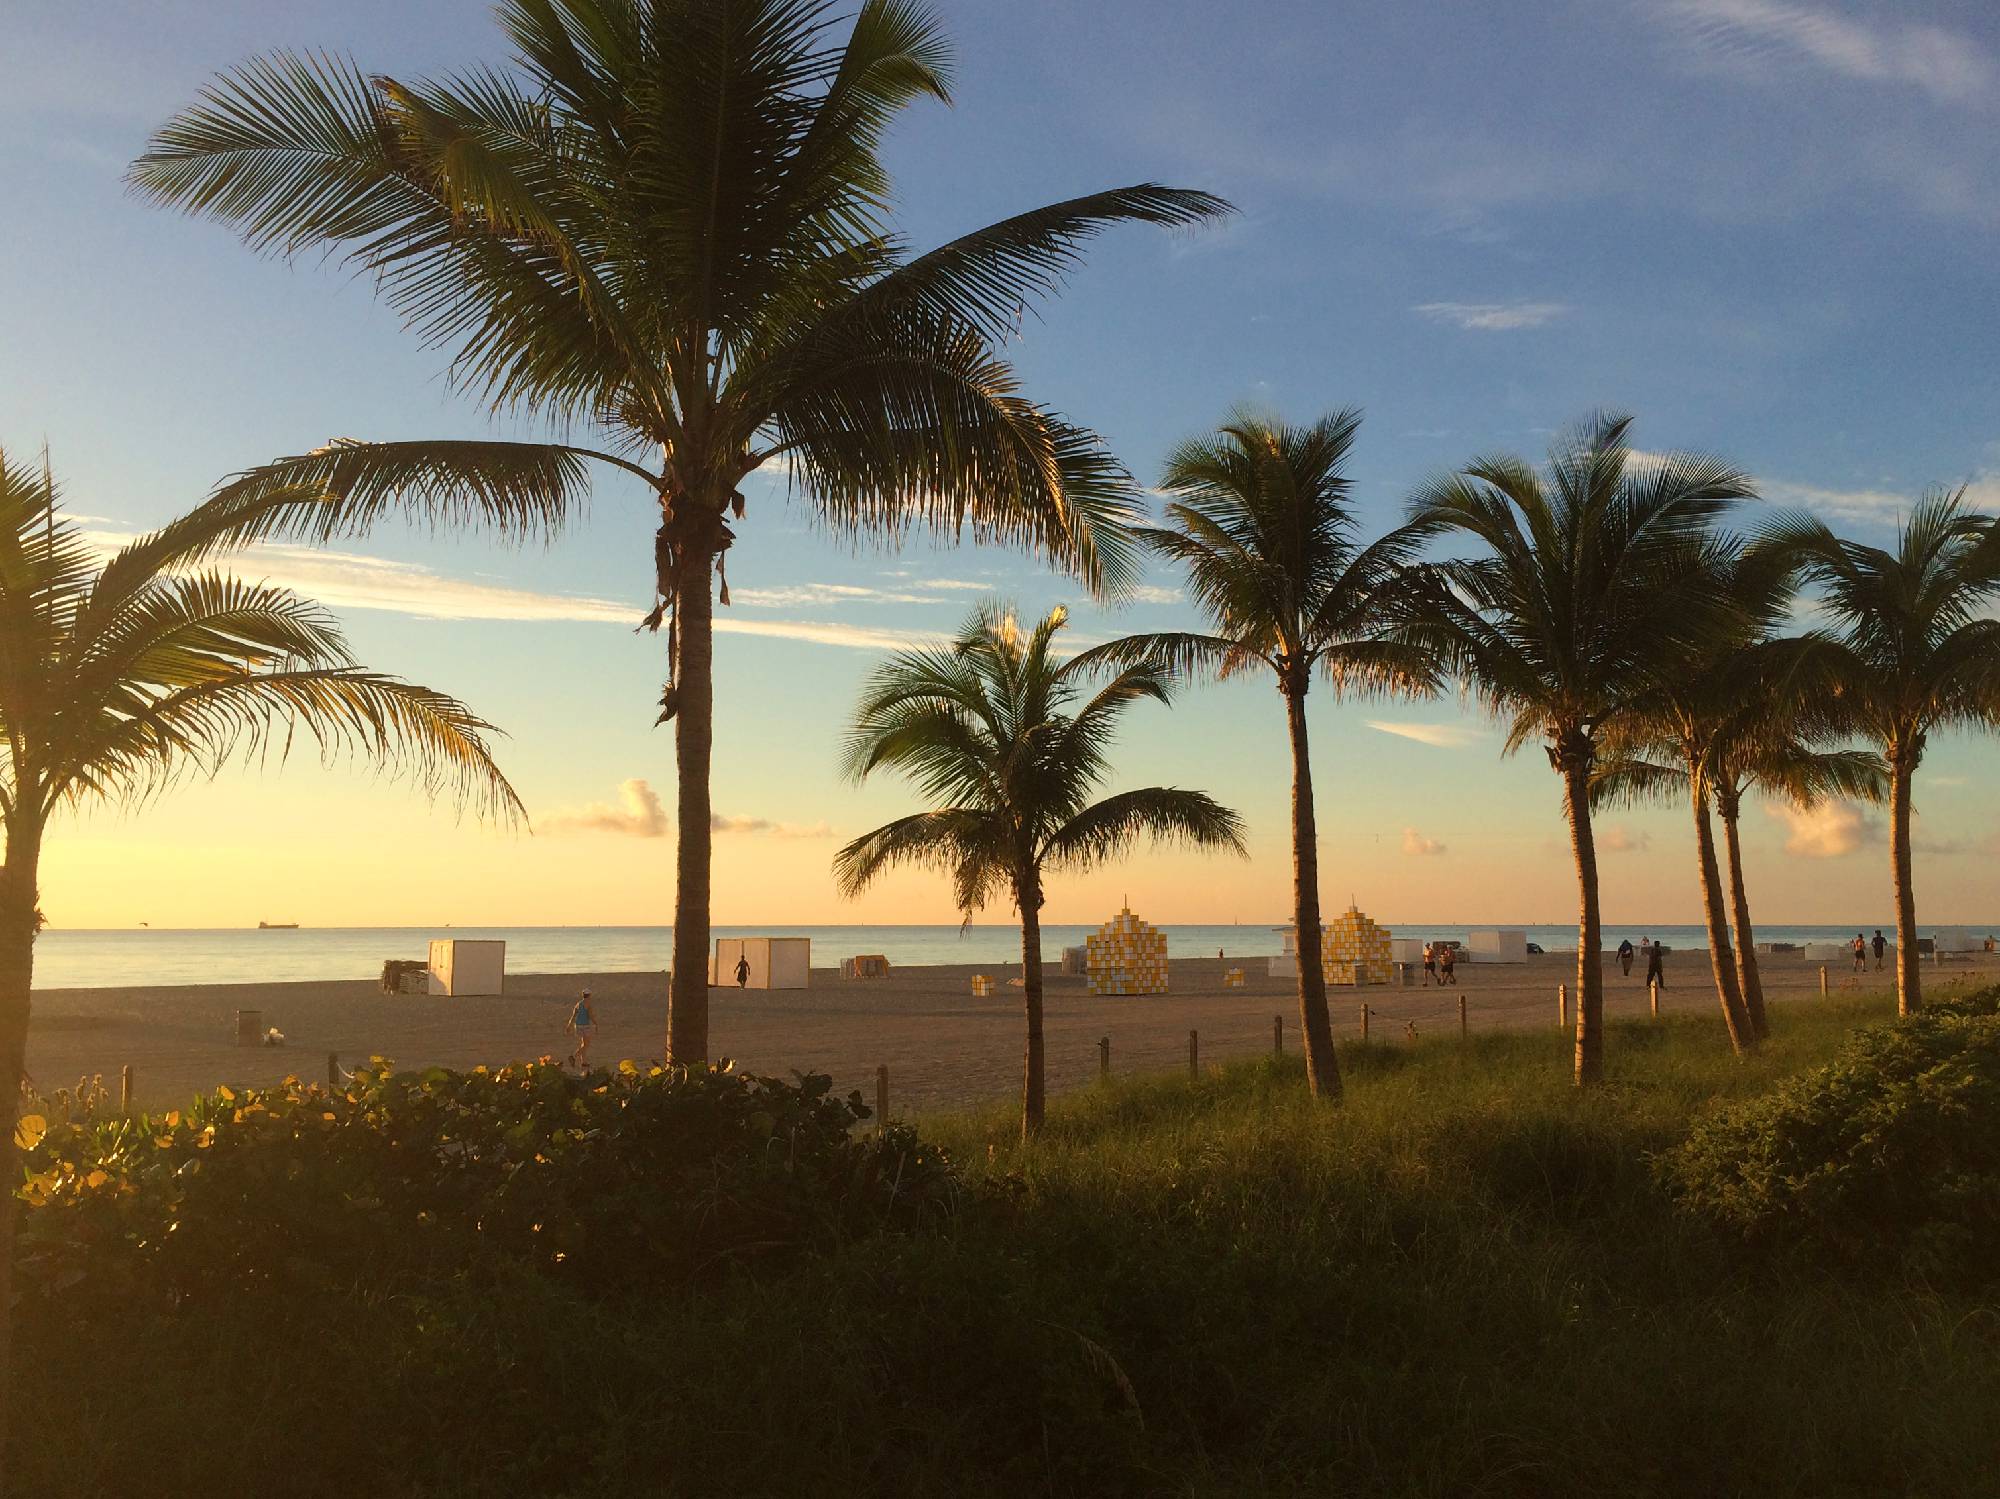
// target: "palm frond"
[[1108, 829]]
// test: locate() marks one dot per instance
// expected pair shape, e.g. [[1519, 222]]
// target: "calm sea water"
[[108, 959]]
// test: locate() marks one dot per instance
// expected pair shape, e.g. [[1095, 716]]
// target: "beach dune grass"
[[1468, 1281]]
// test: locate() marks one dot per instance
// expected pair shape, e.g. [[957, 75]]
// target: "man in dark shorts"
[[1430, 963], [1656, 972], [743, 973], [1880, 947]]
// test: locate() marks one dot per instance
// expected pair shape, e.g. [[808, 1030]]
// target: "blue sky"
[[1765, 227]]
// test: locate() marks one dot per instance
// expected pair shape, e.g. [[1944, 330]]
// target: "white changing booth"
[[1955, 939], [460, 965], [775, 962], [1498, 946]]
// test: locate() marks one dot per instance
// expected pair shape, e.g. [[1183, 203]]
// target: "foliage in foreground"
[[1468, 1281], [1889, 1154], [634, 1175]]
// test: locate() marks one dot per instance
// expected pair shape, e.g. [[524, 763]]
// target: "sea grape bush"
[[1890, 1154], [636, 1174]]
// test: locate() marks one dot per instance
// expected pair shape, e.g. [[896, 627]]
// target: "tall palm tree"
[[1260, 519], [1916, 654], [120, 677], [1590, 590], [669, 221], [1001, 737]]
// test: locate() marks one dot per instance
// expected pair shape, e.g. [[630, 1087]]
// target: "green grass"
[[1467, 1281]]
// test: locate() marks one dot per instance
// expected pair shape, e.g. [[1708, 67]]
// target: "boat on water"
[[277, 926]]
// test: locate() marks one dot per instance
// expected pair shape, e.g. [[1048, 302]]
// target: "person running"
[[1430, 964], [1625, 957], [582, 1025], [1860, 953], [1447, 961], [743, 973], [1880, 947], [1656, 972]]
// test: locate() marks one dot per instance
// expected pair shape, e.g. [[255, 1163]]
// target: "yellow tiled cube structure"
[[1127, 956], [1356, 951], [1232, 978], [982, 986]]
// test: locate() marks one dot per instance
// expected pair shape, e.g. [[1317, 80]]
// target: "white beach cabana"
[[465, 966], [775, 962]]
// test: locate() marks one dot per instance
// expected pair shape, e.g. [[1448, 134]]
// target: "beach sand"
[[943, 1048]]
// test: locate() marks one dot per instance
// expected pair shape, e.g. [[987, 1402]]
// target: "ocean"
[[67, 959]]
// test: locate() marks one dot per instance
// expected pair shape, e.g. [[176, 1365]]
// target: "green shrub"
[[1890, 1153], [630, 1175]]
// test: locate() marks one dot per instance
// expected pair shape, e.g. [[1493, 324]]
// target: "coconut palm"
[[1002, 737], [121, 677], [1589, 592], [1260, 519], [669, 221], [1916, 654]]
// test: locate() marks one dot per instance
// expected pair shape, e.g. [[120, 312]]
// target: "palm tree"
[[1590, 591], [1260, 519], [670, 221], [1915, 653], [123, 676], [1001, 738]]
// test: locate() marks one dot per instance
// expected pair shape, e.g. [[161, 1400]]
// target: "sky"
[[1765, 227]]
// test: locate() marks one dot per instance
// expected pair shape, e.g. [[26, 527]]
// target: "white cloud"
[[1829, 830], [1945, 780], [830, 632], [1147, 593], [1950, 66], [1619, 839], [1437, 735], [1416, 845], [638, 813], [1492, 317], [1868, 505], [718, 823], [788, 595]]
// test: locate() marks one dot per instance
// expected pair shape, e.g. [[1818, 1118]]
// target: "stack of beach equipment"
[[871, 965], [982, 986], [1356, 951], [1232, 978], [1127, 956]]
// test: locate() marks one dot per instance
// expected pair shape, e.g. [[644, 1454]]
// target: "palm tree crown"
[[1590, 591], [1011, 743], [670, 220], [1259, 517]]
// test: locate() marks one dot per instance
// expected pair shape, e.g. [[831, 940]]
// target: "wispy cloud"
[[1830, 830], [1945, 780], [1619, 839], [1492, 317], [1951, 66], [1417, 846], [637, 813], [831, 632], [1147, 593], [1867, 505], [790, 595], [1437, 735]]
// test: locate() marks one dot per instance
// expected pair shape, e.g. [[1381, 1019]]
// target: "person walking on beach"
[[1625, 957], [1860, 953], [1447, 959], [1656, 972], [582, 1025], [1880, 947], [1430, 964], [743, 973]]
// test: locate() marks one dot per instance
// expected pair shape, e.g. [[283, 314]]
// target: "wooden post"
[[1364, 1020], [1562, 1005], [881, 1098], [1653, 985], [125, 1090], [1194, 1054], [1461, 1015], [1277, 1035], [1104, 1056], [1822, 981], [333, 1069]]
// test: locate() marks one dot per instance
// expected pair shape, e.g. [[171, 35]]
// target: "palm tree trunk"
[[1033, 1089], [1909, 972], [1574, 763], [1322, 1067], [17, 974], [694, 741], [1748, 977], [1742, 1035]]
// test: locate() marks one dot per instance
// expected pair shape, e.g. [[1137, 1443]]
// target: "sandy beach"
[[943, 1047]]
